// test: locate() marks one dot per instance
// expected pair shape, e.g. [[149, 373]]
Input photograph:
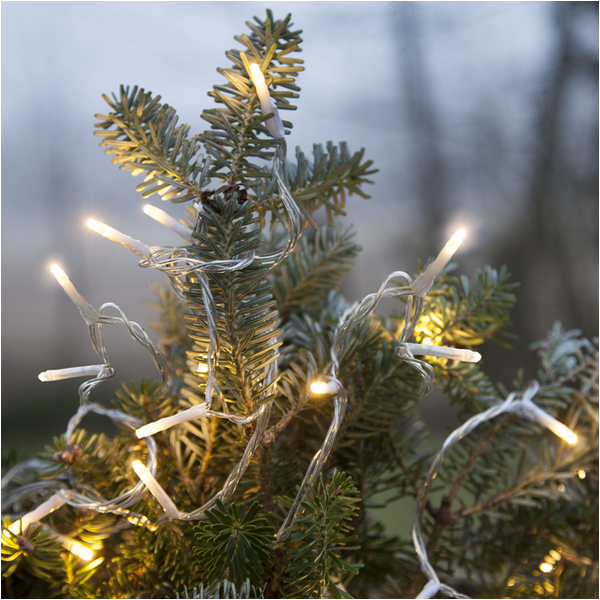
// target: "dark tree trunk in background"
[[554, 253], [422, 127]]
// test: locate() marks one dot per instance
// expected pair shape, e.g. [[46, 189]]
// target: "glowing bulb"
[[148, 479], [59, 374], [196, 412], [168, 221], [323, 388], [45, 508], [555, 555], [73, 546], [88, 312], [428, 348], [546, 567], [256, 74], [202, 368], [543, 418], [274, 124], [581, 474], [116, 236], [422, 284]]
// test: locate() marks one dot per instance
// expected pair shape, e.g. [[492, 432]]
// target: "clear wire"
[[509, 405]]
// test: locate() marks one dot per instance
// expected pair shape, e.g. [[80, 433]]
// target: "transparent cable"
[[508, 405]]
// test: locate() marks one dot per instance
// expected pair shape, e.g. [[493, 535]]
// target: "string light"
[[424, 281], [85, 308], [581, 474], [168, 221], [179, 262], [442, 352], [50, 505], [267, 106], [323, 388], [543, 418], [511, 404], [546, 567], [116, 236], [196, 412], [71, 372], [73, 546], [155, 489], [430, 590]]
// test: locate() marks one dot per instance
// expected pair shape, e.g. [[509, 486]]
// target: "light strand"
[[155, 489], [168, 221], [53, 503], [350, 319], [267, 106], [114, 235], [511, 404], [72, 372]]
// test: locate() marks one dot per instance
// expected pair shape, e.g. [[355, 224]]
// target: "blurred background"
[[477, 114]]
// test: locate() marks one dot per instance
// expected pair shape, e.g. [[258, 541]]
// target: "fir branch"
[[323, 182], [317, 538], [143, 136], [234, 541], [471, 314], [308, 274], [233, 141]]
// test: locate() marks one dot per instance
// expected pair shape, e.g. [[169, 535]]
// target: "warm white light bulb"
[[202, 368], [135, 246], [322, 388], [45, 508], [88, 312], [274, 124], [543, 418], [168, 221], [191, 414], [256, 74], [422, 284], [430, 590], [71, 372], [427, 348], [73, 546], [546, 567], [155, 489]]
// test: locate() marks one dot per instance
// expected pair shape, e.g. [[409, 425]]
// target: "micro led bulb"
[[168, 221], [88, 312], [191, 414], [274, 124], [155, 489], [135, 246], [322, 388], [422, 284]]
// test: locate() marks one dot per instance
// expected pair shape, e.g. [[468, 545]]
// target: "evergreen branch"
[[308, 274], [244, 305], [144, 137], [317, 538], [323, 182], [468, 316], [234, 541], [233, 140], [225, 589]]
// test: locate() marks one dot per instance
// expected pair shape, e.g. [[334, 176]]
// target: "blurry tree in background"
[[556, 240], [551, 245]]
